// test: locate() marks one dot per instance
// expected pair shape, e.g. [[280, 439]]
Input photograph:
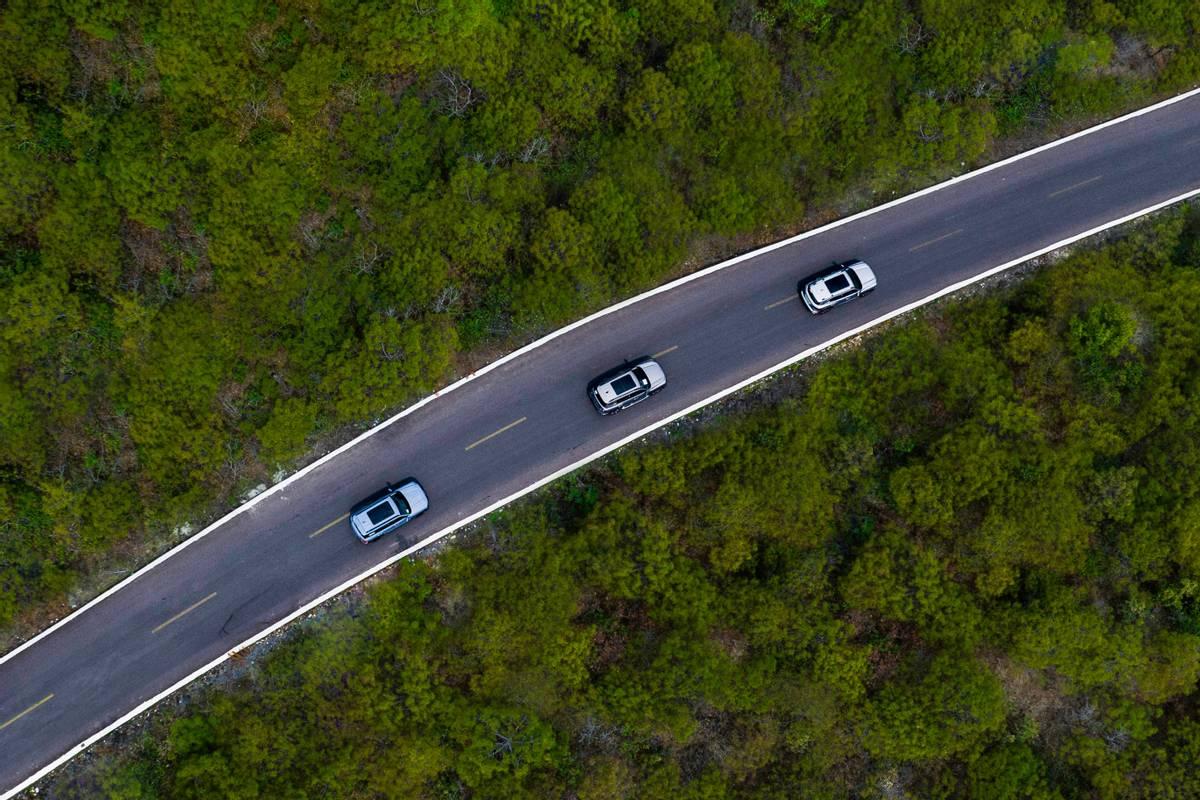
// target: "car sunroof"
[[837, 283], [623, 384], [380, 512]]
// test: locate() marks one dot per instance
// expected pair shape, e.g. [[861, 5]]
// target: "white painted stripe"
[[327, 526], [1072, 188], [494, 434], [29, 710], [538, 343], [184, 613], [941, 238], [567, 329], [583, 461]]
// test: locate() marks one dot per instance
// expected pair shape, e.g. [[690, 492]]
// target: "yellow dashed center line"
[[324, 528], [497, 433], [1192, 142], [1076, 186], [662, 353], [778, 303], [941, 238], [187, 610], [26, 711]]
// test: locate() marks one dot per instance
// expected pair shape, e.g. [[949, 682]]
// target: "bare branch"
[[982, 88], [391, 355], [448, 296], [537, 148], [458, 95], [929, 136], [255, 110], [309, 234], [368, 256], [258, 44], [912, 37]]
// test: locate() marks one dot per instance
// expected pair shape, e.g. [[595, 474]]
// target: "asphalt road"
[[713, 332]]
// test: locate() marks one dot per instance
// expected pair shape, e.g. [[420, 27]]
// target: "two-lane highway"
[[495, 435]]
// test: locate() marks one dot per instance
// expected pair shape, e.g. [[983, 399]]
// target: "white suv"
[[387, 509], [835, 285], [626, 385]]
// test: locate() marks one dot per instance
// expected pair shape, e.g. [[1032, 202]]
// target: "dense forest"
[[962, 560], [228, 227]]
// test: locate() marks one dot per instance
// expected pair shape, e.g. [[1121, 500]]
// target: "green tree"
[[947, 709], [284, 435]]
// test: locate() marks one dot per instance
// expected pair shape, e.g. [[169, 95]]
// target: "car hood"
[[865, 275], [415, 495], [655, 373]]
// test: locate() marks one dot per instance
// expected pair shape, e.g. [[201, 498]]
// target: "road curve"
[[528, 418]]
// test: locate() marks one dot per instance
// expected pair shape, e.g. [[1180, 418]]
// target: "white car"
[[835, 285], [387, 509], [626, 385]]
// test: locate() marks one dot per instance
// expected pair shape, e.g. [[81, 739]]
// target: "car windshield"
[[380, 512], [838, 283], [623, 384], [640, 374]]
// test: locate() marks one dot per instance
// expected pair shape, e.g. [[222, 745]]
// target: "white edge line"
[[304, 609], [567, 329]]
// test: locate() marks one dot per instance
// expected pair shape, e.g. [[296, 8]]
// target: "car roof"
[[852, 265], [842, 275], [618, 371]]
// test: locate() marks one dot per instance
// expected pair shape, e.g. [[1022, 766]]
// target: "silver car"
[[626, 385], [388, 509], [837, 284]]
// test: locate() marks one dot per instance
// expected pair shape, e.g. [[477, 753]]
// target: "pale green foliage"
[[283, 436]]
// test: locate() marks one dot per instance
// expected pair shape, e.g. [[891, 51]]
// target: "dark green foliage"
[[1009, 772], [946, 568], [946, 707]]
